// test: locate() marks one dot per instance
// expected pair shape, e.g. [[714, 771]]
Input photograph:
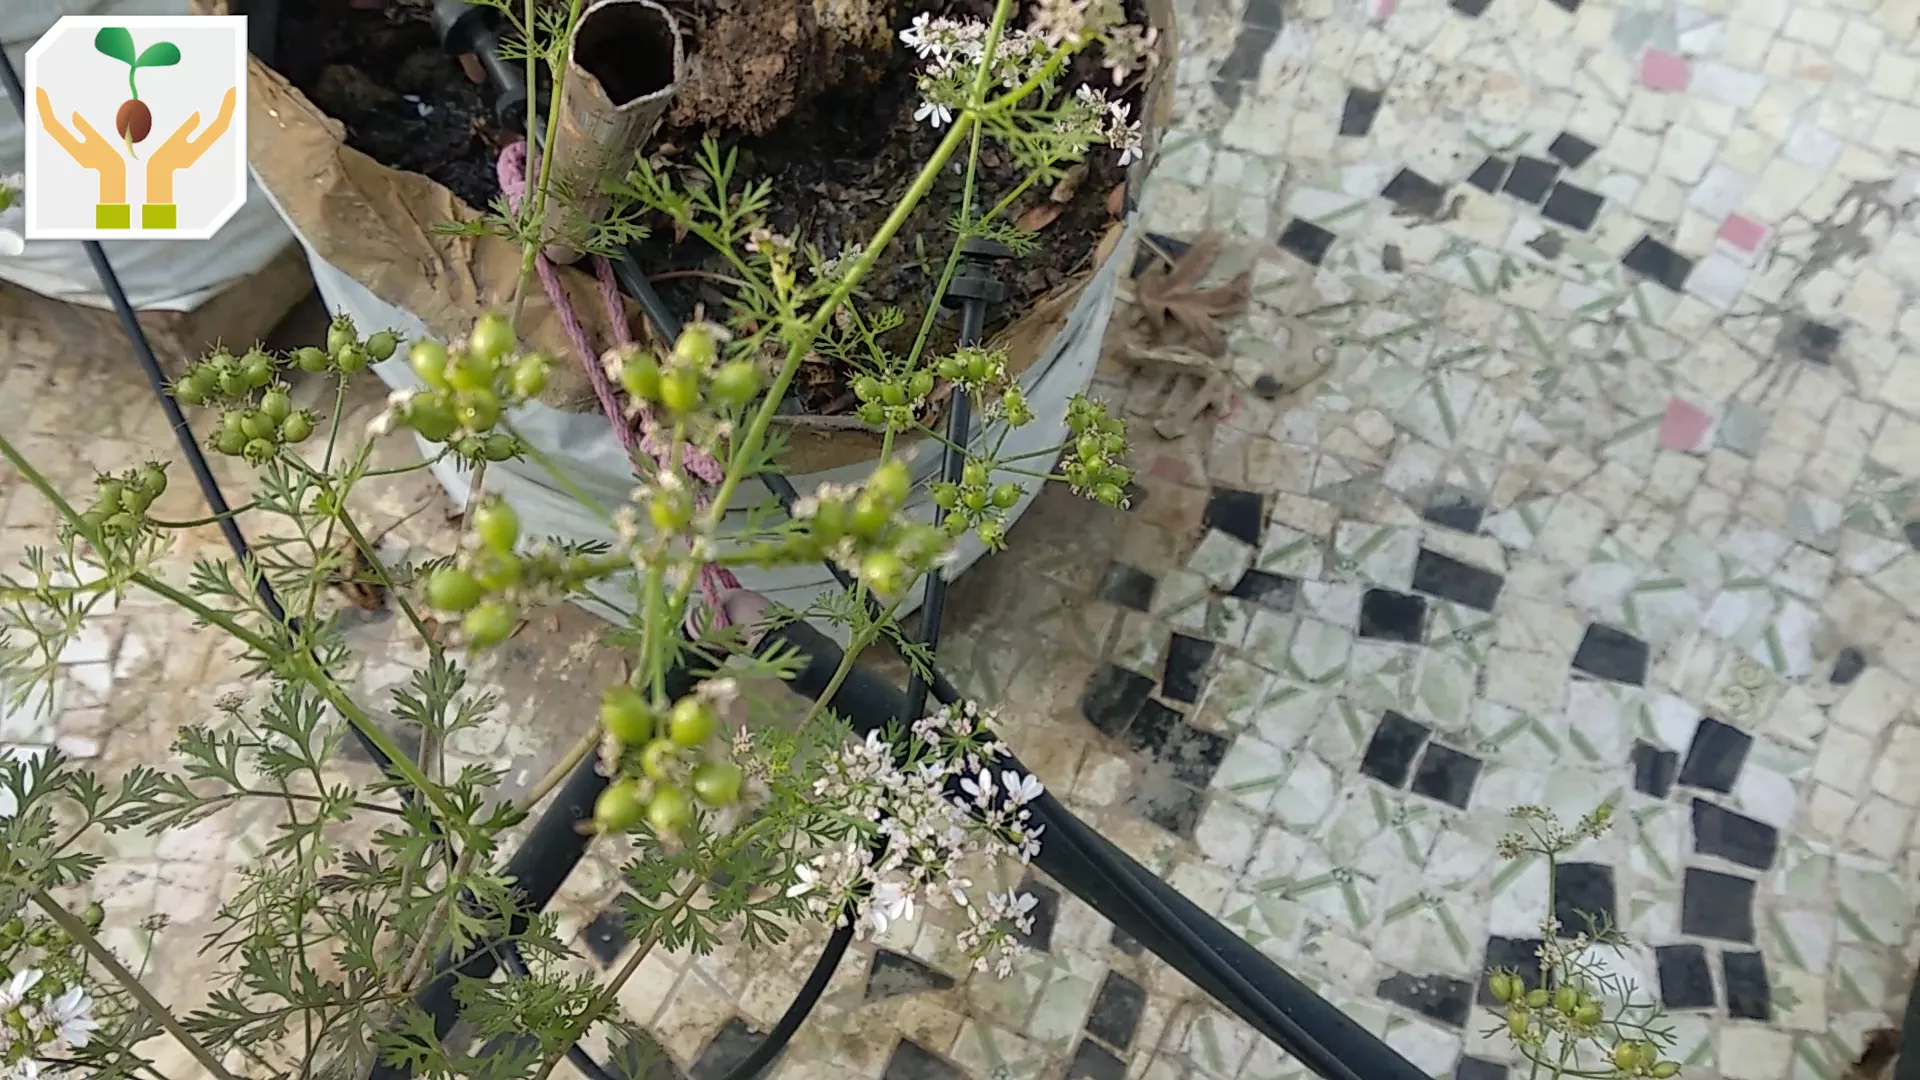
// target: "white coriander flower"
[[918, 38], [1021, 789], [13, 993], [891, 902], [24, 1069], [938, 114], [809, 879], [71, 1016]]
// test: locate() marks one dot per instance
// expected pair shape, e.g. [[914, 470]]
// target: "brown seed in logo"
[[134, 121]]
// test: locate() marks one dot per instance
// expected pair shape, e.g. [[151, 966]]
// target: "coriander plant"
[[1582, 1018], [741, 821]]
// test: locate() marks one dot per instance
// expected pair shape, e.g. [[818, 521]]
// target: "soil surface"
[[827, 114]]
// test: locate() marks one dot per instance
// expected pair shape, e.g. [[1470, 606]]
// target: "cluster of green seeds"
[[1090, 464], [692, 378], [467, 387], [120, 502], [666, 759]]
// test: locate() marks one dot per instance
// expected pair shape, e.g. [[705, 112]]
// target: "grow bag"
[[374, 254]]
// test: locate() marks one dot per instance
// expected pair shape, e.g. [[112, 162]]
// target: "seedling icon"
[[134, 121]]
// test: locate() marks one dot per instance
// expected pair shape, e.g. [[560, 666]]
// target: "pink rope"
[[640, 433]]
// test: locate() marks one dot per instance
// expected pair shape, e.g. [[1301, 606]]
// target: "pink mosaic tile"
[[1662, 70], [1382, 8], [1743, 234], [1685, 425]]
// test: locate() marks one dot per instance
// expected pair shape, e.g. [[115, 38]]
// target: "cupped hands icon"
[[97, 154]]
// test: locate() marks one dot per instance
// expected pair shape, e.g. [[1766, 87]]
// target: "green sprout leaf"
[[116, 42], [158, 54]]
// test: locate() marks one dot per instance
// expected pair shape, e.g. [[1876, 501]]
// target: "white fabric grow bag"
[[584, 446], [158, 275]]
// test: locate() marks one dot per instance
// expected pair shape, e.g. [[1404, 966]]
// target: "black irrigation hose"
[[973, 317], [1141, 904]]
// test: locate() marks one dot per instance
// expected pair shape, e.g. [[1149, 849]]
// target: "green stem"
[[748, 448], [531, 251]]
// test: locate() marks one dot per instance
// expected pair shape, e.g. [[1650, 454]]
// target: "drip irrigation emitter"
[[1139, 903]]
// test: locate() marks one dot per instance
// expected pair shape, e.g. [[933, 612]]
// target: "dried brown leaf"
[[1171, 295], [471, 67], [1117, 200], [1041, 216]]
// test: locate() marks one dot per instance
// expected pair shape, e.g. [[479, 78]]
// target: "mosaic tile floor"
[[1571, 461]]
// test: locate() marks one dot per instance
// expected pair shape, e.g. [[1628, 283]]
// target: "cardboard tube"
[[623, 66]]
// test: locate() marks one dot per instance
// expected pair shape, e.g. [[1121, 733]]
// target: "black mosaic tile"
[[1186, 668], [1518, 955], [606, 936], [911, 1061], [1450, 579], [1362, 106], [1393, 616], [1568, 6], [728, 1049], [1046, 912], [1249, 49], [1473, 1068], [1472, 9], [1612, 654], [1236, 513], [1491, 173], [1574, 207], [1164, 735], [1307, 240], [1440, 997], [1127, 586], [1116, 1011], [1583, 897], [1395, 743], [895, 973], [1415, 194], [1715, 756], [1091, 1061], [1113, 698], [1658, 262], [1654, 769], [1455, 510], [1716, 905], [1685, 981], [1817, 342], [632, 1054], [1446, 774], [1850, 662], [1126, 943], [1572, 150], [1531, 179], [1735, 837], [1911, 530], [1276, 591], [1749, 997], [1265, 13], [1229, 92]]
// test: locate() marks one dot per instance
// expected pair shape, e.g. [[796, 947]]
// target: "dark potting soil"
[[840, 159]]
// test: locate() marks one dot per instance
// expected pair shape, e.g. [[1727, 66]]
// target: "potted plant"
[[362, 224]]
